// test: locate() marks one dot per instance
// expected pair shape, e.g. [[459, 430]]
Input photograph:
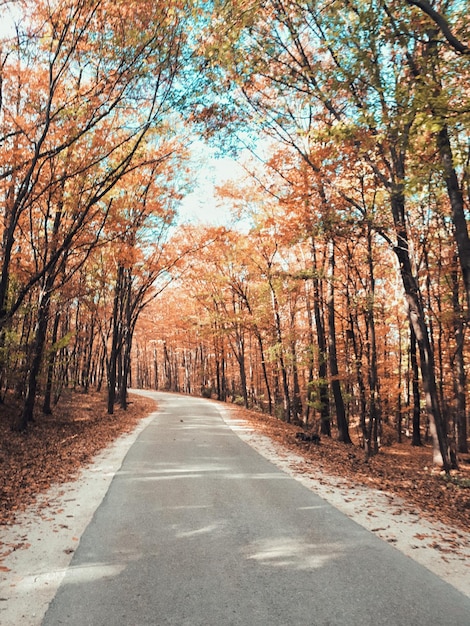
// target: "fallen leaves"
[[55, 448]]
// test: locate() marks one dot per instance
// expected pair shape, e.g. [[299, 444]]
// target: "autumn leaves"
[[360, 196], [87, 159], [366, 182]]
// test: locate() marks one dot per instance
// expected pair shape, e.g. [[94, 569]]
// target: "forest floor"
[[55, 448]]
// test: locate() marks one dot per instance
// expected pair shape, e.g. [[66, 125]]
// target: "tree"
[[310, 68], [84, 95]]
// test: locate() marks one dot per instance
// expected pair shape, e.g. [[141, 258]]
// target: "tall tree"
[[314, 66]]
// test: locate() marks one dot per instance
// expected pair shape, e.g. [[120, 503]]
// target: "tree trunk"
[[458, 208], [323, 387], [279, 339], [399, 411], [414, 373], [342, 422], [240, 356], [86, 375], [458, 362], [374, 402], [311, 361], [361, 385], [126, 340], [417, 320], [126, 368], [265, 371], [10, 222], [296, 400], [218, 376], [115, 341], [22, 419], [46, 407], [155, 368]]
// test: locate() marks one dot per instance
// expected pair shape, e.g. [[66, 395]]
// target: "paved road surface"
[[197, 529]]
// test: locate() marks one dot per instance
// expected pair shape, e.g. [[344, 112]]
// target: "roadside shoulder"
[[40, 544], [440, 548]]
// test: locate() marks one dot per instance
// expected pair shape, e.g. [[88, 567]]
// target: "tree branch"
[[442, 23]]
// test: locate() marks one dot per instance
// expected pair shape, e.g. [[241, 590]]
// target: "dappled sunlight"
[[152, 476], [317, 507], [201, 473], [184, 507], [92, 572], [207, 467], [176, 472], [188, 534], [286, 552], [259, 476], [37, 581], [72, 575], [199, 426]]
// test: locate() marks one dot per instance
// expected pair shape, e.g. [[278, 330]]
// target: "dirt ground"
[[55, 448]]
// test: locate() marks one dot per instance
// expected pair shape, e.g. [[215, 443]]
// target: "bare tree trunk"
[[46, 407], [416, 439], [361, 385], [265, 371], [374, 402], [296, 400], [116, 340], [342, 422], [22, 419], [323, 385], [417, 320], [127, 330], [126, 368], [155, 369], [86, 377], [240, 356], [458, 209], [279, 339], [458, 361]]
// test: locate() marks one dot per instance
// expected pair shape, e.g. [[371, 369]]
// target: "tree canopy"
[[341, 299]]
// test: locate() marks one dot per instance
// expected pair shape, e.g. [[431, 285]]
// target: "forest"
[[336, 299]]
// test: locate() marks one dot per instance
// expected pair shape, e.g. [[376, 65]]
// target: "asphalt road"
[[197, 529]]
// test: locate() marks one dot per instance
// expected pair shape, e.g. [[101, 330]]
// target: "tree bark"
[[458, 208], [22, 419], [417, 319], [374, 401], [416, 439], [458, 361], [46, 407], [341, 420], [116, 340], [259, 338], [361, 385], [279, 339], [127, 331], [323, 386]]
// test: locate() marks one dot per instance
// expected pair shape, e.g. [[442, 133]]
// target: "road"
[[197, 529]]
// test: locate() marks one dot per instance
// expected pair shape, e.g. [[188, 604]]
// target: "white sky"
[[201, 206]]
